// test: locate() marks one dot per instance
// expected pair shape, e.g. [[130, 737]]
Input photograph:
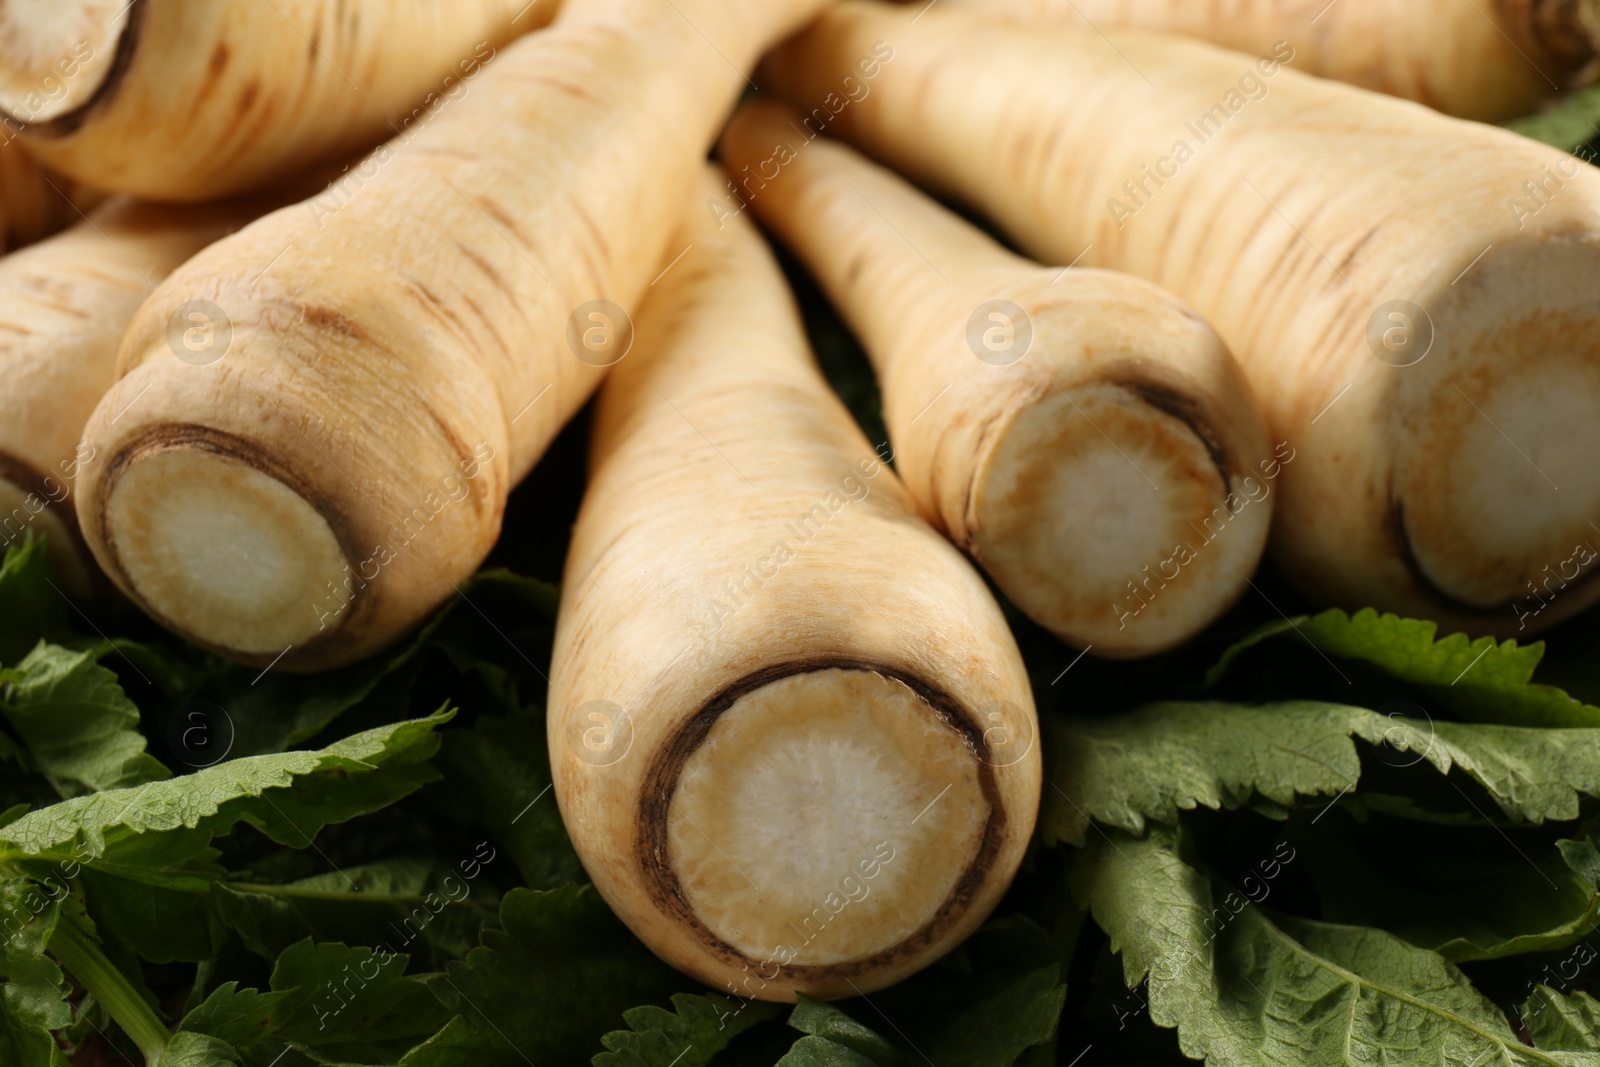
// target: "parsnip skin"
[[750, 612], [1106, 463], [33, 202], [1491, 60], [400, 345], [64, 304], [1410, 296], [254, 92]]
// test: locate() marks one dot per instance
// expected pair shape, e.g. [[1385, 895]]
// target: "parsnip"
[[194, 99], [1080, 433], [1412, 297], [404, 346], [64, 304], [34, 203], [1492, 60], [791, 735]]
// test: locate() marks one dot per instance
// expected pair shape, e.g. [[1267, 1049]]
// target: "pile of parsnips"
[[1260, 301]]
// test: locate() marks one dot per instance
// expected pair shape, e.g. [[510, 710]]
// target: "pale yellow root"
[[1490, 60], [1411, 296], [791, 735], [64, 304], [195, 99], [402, 348], [1081, 433]]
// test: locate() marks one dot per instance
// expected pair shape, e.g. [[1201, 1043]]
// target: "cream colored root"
[[1100, 454], [195, 99], [1488, 61], [1410, 296], [33, 202], [791, 735], [64, 304], [405, 345]]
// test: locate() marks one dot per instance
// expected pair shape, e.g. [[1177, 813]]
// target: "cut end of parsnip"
[[831, 824], [55, 55], [1496, 492], [218, 549], [1111, 518], [1514, 490]]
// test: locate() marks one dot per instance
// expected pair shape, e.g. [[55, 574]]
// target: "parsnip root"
[[1081, 433], [403, 347], [1411, 296], [792, 738], [1492, 60], [64, 304], [248, 93]]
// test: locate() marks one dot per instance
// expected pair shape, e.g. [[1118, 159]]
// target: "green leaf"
[[289, 796], [404, 905], [349, 1004], [81, 730], [823, 1052], [457, 1045], [1242, 987], [551, 980], [143, 854], [996, 1030], [691, 1035], [1473, 908], [159, 914], [190, 1049], [1161, 759], [1562, 1023], [1566, 124], [986, 1004], [235, 1016], [1481, 680], [497, 776], [835, 1038], [30, 608], [33, 990], [498, 630], [277, 711]]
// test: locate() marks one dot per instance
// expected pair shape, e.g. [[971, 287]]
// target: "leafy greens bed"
[[1314, 839]]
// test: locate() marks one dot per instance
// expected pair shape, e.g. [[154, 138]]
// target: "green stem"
[[76, 950]]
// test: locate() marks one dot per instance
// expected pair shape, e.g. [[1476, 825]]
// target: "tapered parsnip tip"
[[217, 548], [1114, 517], [55, 55], [824, 830]]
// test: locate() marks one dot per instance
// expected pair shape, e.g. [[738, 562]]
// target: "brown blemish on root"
[[1355, 250], [488, 269], [661, 781], [852, 273], [127, 44], [170, 437], [326, 318]]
